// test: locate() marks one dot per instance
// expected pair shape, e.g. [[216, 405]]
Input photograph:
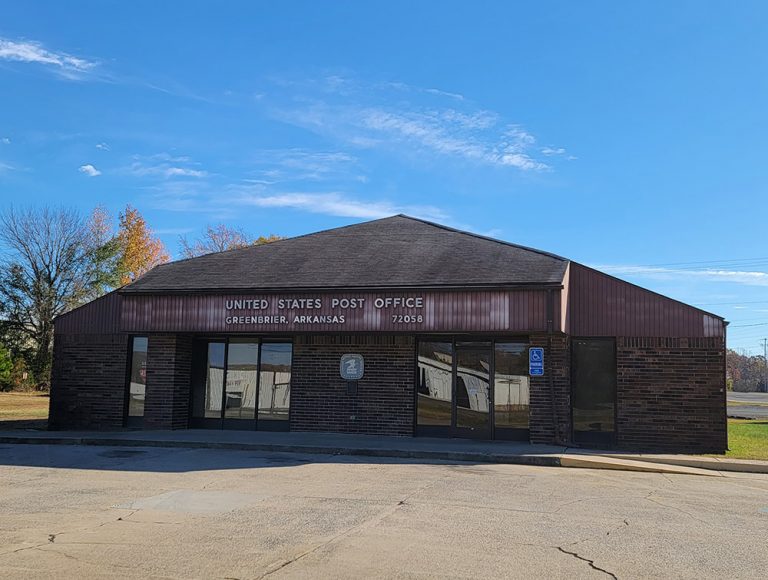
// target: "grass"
[[20, 406], [748, 439]]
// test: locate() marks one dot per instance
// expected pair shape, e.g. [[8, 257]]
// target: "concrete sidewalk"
[[403, 447]]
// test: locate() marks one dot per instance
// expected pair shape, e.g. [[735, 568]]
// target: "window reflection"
[[511, 386], [473, 385], [214, 380], [138, 383], [275, 381], [242, 376], [434, 383]]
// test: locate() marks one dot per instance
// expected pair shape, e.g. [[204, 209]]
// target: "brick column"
[[169, 362], [551, 420]]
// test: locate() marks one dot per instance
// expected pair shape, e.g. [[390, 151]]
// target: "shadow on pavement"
[[180, 460]]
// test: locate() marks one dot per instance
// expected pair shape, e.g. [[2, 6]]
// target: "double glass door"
[[476, 389], [241, 383]]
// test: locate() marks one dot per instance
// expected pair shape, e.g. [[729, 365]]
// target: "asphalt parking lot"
[[95, 512]]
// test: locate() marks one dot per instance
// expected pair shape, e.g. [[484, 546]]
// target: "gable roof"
[[394, 252]]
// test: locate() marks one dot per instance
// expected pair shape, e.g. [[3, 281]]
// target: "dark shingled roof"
[[394, 252]]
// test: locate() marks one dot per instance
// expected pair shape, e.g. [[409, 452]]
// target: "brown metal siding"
[[101, 316], [600, 305], [471, 311]]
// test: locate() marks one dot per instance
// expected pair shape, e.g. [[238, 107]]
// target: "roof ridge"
[[253, 246], [482, 237]]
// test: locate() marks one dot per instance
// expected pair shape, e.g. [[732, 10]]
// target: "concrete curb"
[[603, 462], [584, 461], [704, 463]]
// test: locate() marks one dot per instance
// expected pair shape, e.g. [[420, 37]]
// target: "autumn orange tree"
[[140, 251]]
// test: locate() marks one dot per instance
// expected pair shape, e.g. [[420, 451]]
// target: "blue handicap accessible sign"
[[536, 361]]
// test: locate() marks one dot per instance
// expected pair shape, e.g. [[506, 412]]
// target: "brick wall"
[[169, 362], [548, 423], [88, 381], [671, 394], [384, 403]]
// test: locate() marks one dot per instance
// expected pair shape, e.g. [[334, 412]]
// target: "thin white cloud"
[[182, 172], [336, 204], [5, 141], [64, 64], [89, 170], [4, 167], [102, 146], [550, 151], [165, 165], [710, 275], [473, 137], [363, 115], [282, 165]]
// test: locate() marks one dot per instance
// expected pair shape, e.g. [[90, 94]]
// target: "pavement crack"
[[677, 509], [588, 561]]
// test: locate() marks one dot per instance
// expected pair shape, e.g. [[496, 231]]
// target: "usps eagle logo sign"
[[352, 367]]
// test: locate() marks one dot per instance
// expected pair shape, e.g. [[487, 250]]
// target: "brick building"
[[395, 327]]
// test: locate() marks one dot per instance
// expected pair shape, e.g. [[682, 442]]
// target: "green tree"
[[6, 368]]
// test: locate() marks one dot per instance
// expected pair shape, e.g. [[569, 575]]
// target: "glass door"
[[472, 390], [241, 383]]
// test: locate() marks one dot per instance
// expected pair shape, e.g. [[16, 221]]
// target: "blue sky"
[[627, 136]]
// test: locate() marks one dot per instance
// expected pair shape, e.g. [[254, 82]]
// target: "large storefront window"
[[137, 384], [275, 381], [246, 384], [511, 395], [435, 384], [458, 380]]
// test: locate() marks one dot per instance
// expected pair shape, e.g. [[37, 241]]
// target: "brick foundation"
[[88, 381], [671, 394], [384, 404]]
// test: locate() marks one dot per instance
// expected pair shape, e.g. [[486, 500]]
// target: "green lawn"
[[748, 439]]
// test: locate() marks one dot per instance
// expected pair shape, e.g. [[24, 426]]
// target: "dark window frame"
[[133, 422], [494, 432], [240, 424]]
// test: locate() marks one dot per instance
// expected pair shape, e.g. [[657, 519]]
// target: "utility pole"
[[765, 360]]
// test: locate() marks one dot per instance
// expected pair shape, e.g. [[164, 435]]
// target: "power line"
[[730, 261], [729, 303]]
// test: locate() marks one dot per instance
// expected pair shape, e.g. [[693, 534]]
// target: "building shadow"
[[182, 460]]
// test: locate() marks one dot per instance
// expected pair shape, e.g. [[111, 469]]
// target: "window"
[[275, 381], [137, 384], [435, 383], [238, 381], [511, 398]]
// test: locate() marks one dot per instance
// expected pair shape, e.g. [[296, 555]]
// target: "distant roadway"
[[748, 405]]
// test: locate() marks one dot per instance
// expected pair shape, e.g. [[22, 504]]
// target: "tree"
[[45, 270], [6, 367], [105, 254], [220, 238], [216, 239], [139, 250]]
